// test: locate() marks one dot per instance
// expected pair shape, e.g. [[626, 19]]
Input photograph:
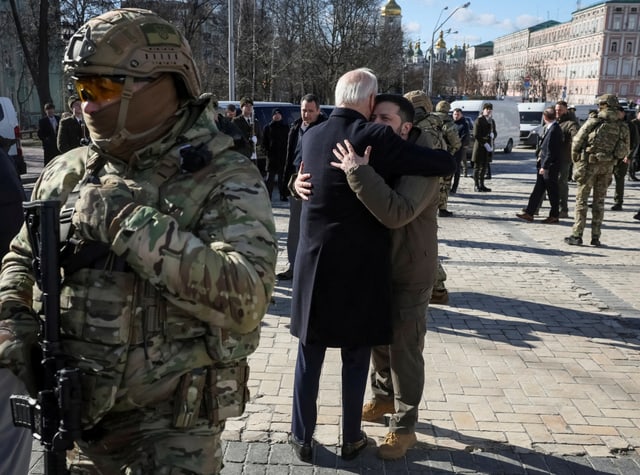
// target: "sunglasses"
[[102, 88]]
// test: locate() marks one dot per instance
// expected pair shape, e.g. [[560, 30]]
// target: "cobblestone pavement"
[[533, 367]]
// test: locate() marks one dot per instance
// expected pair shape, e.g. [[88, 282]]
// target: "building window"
[[629, 47], [614, 46]]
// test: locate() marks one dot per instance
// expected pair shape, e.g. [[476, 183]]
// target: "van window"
[[531, 118]]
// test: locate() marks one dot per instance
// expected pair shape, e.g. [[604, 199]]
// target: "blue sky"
[[483, 20]]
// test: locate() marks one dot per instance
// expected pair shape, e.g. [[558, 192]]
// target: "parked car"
[[10, 129]]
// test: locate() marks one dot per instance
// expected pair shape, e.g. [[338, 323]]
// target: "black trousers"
[[355, 369], [549, 183]]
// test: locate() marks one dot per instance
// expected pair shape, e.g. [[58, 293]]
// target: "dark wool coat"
[[342, 277]]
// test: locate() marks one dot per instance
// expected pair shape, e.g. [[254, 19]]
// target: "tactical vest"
[[108, 311], [602, 140]]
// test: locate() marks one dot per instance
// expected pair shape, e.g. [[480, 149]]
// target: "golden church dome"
[[440, 44], [391, 9]]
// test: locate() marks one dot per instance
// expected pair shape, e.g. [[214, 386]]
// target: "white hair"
[[356, 86]]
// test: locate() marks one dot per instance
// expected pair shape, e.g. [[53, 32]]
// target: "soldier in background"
[[252, 132], [569, 126], [173, 258], [622, 166], [600, 142], [451, 137], [484, 134], [432, 127]]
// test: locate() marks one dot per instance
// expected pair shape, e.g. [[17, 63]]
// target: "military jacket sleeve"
[[394, 208], [451, 136], [221, 268]]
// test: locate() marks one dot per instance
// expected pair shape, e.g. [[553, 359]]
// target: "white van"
[[530, 121], [9, 129], [505, 115]]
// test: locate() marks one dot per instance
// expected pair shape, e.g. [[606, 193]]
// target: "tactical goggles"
[[102, 88]]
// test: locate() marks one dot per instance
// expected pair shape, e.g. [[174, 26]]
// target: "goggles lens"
[[99, 88]]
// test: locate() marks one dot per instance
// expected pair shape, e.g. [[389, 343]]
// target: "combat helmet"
[[419, 99], [131, 42], [443, 106], [610, 100]]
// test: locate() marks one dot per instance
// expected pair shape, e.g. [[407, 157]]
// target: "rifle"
[[54, 416]]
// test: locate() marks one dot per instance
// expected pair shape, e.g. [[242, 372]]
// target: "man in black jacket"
[[310, 115], [48, 132], [548, 166], [342, 277], [274, 142]]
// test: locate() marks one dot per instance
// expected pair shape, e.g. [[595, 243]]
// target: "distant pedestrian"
[[230, 111], [462, 127], [621, 167], [274, 142], [48, 132], [600, 142], [549, 158]]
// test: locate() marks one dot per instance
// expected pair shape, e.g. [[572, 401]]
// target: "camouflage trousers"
[[445, 186], [588, 176], [144, 442]]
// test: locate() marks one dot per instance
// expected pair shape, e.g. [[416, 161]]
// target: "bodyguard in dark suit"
[[549, 155], [48, 132], [341, 282]]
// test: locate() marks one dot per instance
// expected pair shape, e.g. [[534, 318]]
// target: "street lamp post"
[[433, 34]]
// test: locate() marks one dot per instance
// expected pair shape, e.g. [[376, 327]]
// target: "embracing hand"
[[348, 158], [302, 185]]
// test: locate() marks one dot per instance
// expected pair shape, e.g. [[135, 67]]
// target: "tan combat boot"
[[373, 411], [395, 445]]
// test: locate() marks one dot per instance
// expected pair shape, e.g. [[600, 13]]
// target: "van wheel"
[[509, 146]]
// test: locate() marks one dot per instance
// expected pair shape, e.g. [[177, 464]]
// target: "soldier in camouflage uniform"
[[431, 124], [172, 257], [452, 139], [600, 142]]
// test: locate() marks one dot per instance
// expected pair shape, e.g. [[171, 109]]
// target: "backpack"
[[432, 125], [602, 141]]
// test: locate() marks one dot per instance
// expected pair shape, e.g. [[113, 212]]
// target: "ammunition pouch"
[[215, 393]]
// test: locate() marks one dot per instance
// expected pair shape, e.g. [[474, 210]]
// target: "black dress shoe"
[[484, 188], [352, 450], [286, 275], [443, 213], [302, 450]]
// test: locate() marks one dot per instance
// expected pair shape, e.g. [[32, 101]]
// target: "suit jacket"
[[292, 162], [71, 133], [49, 138], [342, 278], [551, 147]]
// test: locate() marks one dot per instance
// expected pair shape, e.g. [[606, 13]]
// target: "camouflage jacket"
[[199, 255], [619, 139], [450, 133]]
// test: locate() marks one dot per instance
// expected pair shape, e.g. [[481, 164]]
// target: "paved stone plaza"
[[533, 367]]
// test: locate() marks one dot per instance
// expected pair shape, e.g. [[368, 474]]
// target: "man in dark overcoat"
[[48, 132], [484, 133], [341, 281]]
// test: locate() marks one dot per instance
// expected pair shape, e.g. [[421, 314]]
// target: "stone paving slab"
[[533, 368]]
